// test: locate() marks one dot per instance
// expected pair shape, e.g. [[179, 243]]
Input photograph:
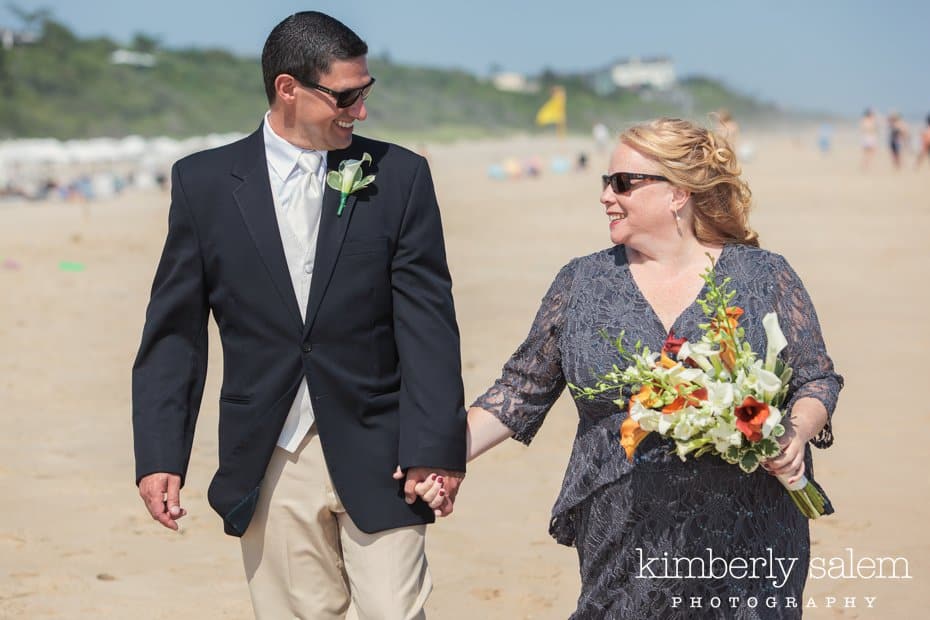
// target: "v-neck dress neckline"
[[685, 311]]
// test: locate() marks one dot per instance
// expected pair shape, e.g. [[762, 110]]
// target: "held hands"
[[436, 487], [161, 493]]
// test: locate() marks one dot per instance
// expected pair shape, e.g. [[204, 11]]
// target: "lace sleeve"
[[806, 353], [532, 378]]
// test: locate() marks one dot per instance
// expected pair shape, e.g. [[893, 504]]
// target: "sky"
[[825, 55]]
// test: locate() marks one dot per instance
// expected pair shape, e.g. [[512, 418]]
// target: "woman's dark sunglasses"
[[343, 98], [620, 181]]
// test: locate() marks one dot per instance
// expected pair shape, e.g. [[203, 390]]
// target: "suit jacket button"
[[307, 348]]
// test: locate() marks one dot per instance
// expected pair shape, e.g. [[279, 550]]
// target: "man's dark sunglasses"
[[343, 98], [620, 181]]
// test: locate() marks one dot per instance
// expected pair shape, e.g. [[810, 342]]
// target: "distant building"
[[514, 83], [657, 72], [133, 59], [11, 38]]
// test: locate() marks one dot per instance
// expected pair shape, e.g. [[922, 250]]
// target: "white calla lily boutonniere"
[[348, 179]]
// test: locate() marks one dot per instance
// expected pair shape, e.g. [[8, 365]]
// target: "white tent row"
[[132, 150]]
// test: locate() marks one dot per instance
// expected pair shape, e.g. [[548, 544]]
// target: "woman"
[[897, 137], [924, 144], [728, 127], [868, 128], [673, 195]]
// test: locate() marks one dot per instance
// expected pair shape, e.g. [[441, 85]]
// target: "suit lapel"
[[253, 196], [332, 233]]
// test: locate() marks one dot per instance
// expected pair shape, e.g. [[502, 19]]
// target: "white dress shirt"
[[285, 175]]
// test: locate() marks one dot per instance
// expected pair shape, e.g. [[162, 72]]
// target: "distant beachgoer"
[[727, 127], [582, 162], [513, 168], [825, 138], [924, 144], [532, 166], [897, 137], [868, 127], [601, 136]]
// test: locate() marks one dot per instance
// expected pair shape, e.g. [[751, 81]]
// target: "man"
[[340, 346]]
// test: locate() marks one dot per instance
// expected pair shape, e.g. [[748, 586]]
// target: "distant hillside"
[[66, 87]]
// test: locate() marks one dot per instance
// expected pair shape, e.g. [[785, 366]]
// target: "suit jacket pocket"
[[354, 247], [236, 399]]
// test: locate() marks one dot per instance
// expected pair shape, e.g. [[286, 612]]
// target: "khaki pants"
[[304, 557]]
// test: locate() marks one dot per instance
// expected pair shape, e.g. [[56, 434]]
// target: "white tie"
[[303, 212]]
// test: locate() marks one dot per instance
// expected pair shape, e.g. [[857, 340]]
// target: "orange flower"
[[646, 396], [694, 399], [733, 315], [665, 361], [697, 396], [675, 405], [750, 416], [727, 355], [631, 434]]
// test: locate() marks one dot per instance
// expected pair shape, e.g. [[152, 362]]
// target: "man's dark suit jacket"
[[379, 348]]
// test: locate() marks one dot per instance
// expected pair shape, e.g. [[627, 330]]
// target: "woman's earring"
[[678, 222]]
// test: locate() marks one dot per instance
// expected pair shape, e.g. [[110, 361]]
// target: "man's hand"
[[162, 496], [437, 487]]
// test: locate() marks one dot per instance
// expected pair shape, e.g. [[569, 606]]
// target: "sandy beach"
[[77, 543]]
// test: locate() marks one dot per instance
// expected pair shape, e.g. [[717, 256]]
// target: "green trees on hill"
[[66, 87]]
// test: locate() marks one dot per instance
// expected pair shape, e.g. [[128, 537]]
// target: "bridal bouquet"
[[711, 396]]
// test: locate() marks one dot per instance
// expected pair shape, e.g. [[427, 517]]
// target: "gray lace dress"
[[631, 523]]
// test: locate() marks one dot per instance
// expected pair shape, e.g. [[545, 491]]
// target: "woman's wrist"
[[808, 417]]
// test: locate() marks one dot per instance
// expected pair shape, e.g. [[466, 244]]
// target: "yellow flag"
[[553, 111]]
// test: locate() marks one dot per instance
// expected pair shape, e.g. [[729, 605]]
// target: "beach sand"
[[76, 541]]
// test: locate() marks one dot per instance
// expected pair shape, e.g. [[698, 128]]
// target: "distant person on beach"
[[342, 380], [581, 162], [868, 130], [728, 128], [924, 144], [601, 135], [825, 138], [898, 136]]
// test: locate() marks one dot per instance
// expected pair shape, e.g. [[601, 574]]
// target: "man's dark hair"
[[304, 45]]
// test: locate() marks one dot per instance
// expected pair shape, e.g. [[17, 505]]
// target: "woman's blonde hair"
[[703, 163]]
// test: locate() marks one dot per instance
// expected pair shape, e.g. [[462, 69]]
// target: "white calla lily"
[[704, 348], [648, 419], [687, 424], [666, 422], [771, 422], [348, 179], [690, 375], [774, 338], [764, 382], [724, 435], [687, 351]]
